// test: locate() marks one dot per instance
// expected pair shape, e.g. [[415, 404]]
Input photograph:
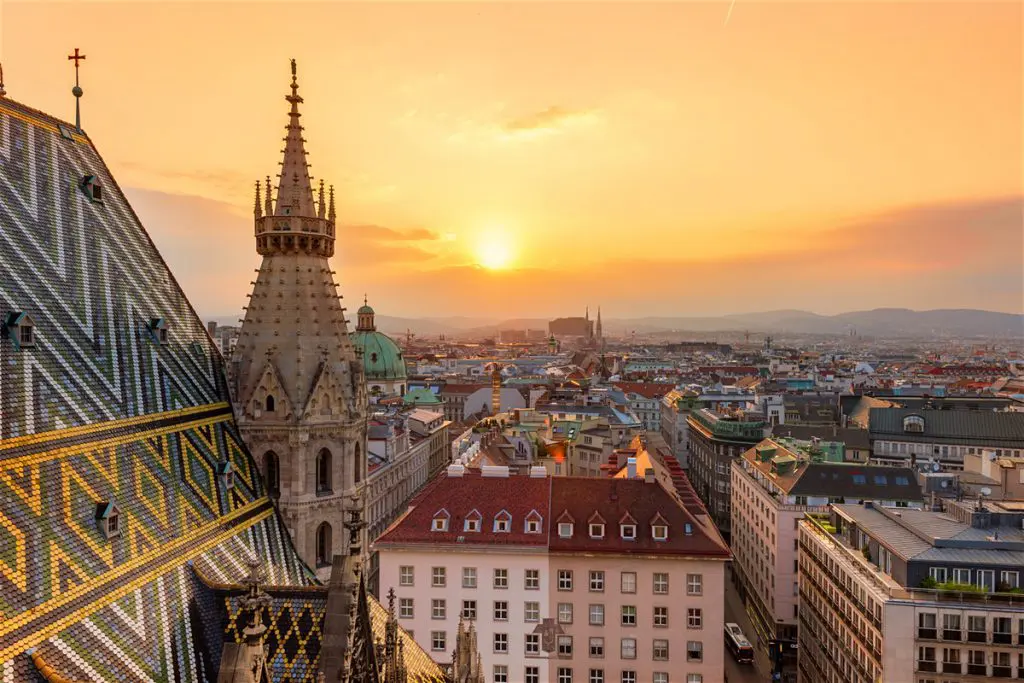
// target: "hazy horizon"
[[496, 160]]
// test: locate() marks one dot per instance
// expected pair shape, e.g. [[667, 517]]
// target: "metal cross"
[[77, 58]]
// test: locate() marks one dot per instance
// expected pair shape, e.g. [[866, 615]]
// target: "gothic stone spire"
[[294, 191]]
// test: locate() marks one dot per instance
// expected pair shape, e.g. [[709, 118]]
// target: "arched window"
[[323, 545], [358, 464], [272, 473], [323, 471], [270, 403]]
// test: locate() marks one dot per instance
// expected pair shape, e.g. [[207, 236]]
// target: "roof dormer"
[[20, 329], [627, 527], [534, 523], [595, 525], [473, 521], [226, 472], [659, 528], [913, 423], [92, 188], [157, 328], [565, 525], [502, 522], [108, 518], [440, 521]]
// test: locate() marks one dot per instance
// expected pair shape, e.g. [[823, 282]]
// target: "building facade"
[[565, 579], [676, 407], [298, 388]]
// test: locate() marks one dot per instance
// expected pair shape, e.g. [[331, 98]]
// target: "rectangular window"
[[660, 583], [937, 573], [532, 581], [469, 609], [694, 618], [469, 577], [500, 610], [597, 647], [660, 677], [1009, 579], [961, 575], [565, 646], [438, 609], [628, 676], [532, 674], [565, 613], [501, 578], [660, 653], [627, 648], [501, 643], [597, 582], [628, 582], [438, 577], [629, 615], [531, 611], [597, 676], [405, 610], [597, 615], [694, 651], [405, 575], [597, 530], [694, 584], [500, 673], [565, 579], [564, 672], [694, 678], [661, 617], [438, 641], [533, 643]]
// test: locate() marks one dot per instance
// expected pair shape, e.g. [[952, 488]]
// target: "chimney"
[[211, 327], [631, 467], [649, 475]]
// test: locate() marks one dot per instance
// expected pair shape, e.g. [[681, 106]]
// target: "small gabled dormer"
[[92, 188], [157, 328], [473, 521], [19, 328], [440, 521], [108, 519], [595, 526], [534, 522], [502, 522], [627, 527], [226, 473], [659, 528], [565, 525], [913, 423]]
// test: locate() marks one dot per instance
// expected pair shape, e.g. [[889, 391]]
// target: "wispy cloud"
[[547, 121]]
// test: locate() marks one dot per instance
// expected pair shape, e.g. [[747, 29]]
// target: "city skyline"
[[825, 157]]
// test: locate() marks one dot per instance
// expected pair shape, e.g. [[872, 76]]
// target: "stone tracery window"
[[323, 472]]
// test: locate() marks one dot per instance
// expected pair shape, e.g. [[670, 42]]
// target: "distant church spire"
[[598, 331], [294, 190]]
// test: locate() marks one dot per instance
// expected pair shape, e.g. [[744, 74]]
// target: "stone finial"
[[321, 205], [257, 210]]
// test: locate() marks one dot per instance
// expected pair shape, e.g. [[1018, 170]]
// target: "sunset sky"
[[656, 159]]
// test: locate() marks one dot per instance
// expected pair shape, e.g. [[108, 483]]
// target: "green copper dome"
[[382, 359], [365, 309]]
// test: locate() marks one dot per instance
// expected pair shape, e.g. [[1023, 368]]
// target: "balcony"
[[976, 670], [927, 634], [948, 634], [977, 637], [1000, 671], [1002, 638], [952, 668], [926, 665]]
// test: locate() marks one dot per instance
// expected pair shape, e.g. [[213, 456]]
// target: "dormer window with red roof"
[[627, 527], [596, 526], [534, 522], [502, 522], [659, 528], [440, 521], [565, 525], [472, 521]]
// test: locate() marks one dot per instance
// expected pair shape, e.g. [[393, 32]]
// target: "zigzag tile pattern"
[[98, 410]]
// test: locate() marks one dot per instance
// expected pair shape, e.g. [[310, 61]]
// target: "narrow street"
[[760, 671]]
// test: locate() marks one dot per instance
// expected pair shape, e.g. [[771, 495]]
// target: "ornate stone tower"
[[298, 388]]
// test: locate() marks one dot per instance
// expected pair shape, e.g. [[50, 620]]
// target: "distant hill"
[[880, 322]]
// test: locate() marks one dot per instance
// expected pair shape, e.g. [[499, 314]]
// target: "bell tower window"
[[358, 464], [270, 403], [323, 545], [323, 473], [272, 473]]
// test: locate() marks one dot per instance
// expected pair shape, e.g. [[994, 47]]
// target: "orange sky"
[[651, 158]]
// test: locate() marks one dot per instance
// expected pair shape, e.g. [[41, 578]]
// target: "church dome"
[[382, 359], [365, 309]]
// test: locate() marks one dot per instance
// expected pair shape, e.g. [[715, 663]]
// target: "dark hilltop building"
[[138, 541]]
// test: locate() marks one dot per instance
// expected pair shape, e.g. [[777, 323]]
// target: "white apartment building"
[[568, 580]]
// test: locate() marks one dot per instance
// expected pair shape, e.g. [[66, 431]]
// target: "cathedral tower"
[[298, 388]]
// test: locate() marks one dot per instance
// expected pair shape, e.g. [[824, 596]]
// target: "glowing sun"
[[494, 250]]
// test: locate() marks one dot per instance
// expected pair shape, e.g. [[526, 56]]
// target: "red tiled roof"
[[650, 390], [614, 499], [451, 389], [461, 495]]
